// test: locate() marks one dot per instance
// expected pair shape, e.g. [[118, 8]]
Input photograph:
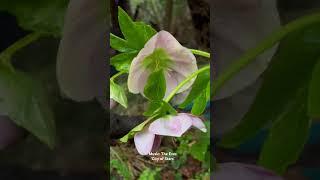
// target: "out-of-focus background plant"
[[44, 132]]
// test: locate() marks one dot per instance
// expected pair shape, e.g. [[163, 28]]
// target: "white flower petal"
[[144, 141], [167, 42], [198, 123], [171, 126], [137, 79], [171, 82]]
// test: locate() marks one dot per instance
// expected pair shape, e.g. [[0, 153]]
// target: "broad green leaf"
[[146, 30], [44, 16], [118, 94], [121, 168], [25, 101], [155, 87], [198, 87], [287, 137], [289, 71], [119, 44], [199, 104], [123, 61], [153, 107], [129, 31], [135, 33], [314, 93]]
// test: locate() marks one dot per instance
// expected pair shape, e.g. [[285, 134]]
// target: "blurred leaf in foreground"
[[290, 70], [314, 93], [25, 101], [44, 16], [288, 74]]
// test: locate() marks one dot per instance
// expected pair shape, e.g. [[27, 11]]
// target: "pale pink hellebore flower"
[[164, 52], [166, 126]]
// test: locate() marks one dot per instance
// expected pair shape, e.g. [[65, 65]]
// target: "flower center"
[[158, 60]]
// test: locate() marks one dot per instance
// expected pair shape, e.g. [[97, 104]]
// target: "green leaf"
[[121, 168], [155, 87], [120, 44], [159, 109], [289, 71], [198, 86], [44, 16], [135, 33], [25, 101], [287, 137], [199, 104], [118, 94], [153, 107], [314, 93], [129, 31], [123, 61], [199, 149], [146, 30]]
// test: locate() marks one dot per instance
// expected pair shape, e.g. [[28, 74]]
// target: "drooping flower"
[[162, 52], [231, 171], [166, 126]]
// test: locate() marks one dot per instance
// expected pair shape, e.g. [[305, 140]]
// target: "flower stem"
[[267, 43], [200, 53], [117, 75], [5, 56], [185, 81]]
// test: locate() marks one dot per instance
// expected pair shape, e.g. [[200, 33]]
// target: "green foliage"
[[118, 94], [136, 34], [121, 168], [199, 149], [149, 174], [177, 163], [314, 93], [25, 101], [159, 108], [120, 44], [284, 85], [122, 61], [287, 137], [45, 16], [199, 104], [155, 88], [200, 93]]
